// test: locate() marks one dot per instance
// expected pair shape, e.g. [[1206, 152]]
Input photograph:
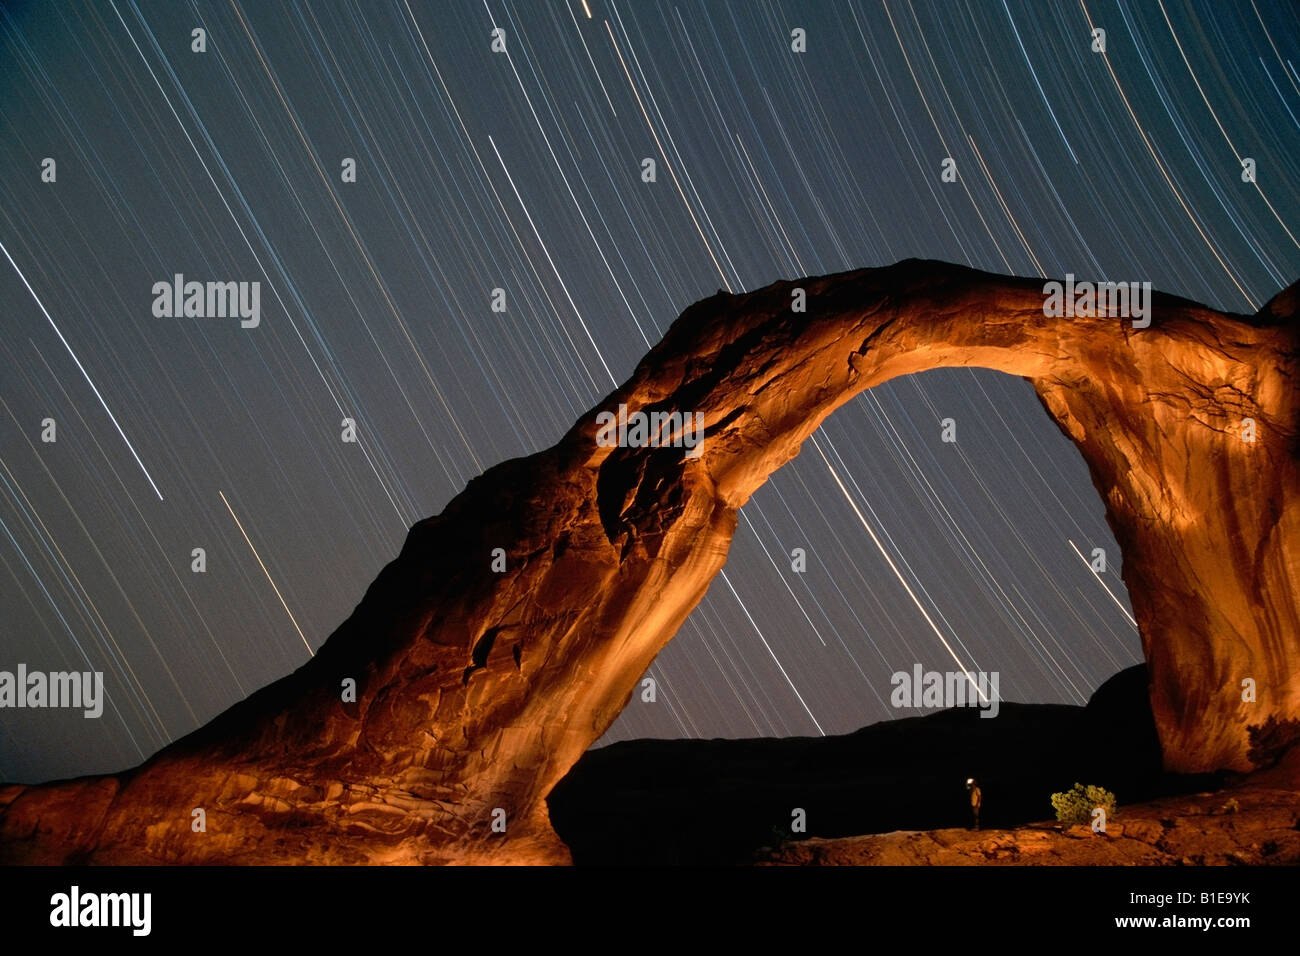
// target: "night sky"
[[523, 171]]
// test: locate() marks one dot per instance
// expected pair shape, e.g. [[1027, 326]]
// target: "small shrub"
[[1076, 805]]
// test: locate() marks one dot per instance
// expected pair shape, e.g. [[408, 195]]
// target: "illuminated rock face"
[[478, 689]]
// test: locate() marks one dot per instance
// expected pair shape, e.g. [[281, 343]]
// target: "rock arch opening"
[[883, 546], [923, 555]]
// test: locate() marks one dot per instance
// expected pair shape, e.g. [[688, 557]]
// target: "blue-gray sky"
[[522, 170]]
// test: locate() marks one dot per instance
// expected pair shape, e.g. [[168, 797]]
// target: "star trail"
[[468, 221]]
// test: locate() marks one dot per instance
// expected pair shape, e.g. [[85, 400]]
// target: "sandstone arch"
[[479, 690]]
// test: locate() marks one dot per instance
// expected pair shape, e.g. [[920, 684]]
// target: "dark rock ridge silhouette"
[[720, 802], [478, 691]]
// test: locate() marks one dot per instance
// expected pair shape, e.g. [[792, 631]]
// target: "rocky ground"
[[1253, 822]]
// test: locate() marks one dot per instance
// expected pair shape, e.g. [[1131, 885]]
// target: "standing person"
[[976, 798]]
